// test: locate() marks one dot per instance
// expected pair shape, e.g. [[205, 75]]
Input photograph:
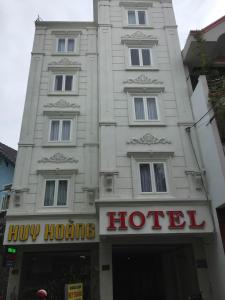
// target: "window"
[[60, 130], [64, 83], [56, 192], [152, 177], [221, 219], [140, 57], [66, 45], [145, 109], [137, 17]]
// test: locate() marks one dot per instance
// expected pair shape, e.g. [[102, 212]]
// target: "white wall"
[[214, 165]]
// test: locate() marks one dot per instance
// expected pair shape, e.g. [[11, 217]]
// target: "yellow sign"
[[50, 232], [74, 291]]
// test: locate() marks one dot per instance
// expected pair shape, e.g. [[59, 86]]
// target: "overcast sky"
[[17, 30]]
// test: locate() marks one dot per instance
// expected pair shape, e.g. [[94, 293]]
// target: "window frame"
[[146, 119], [56, 192], [140, 57], [51, 115], [66, 45], [152, 175], [138, 93], [63, 90], [60, 140], [136, 17]]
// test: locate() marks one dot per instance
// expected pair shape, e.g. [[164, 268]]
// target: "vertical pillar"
[[91, 143], [107, 123], [176, 63], [202, 271], [106, 280]]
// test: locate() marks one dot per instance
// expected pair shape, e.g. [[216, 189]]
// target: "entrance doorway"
[[55, 271], [158, 272]]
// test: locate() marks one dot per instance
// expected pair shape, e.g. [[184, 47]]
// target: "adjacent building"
[[207, 99], [7, 165], [108, 193]]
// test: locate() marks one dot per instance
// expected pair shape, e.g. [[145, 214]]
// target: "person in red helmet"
[[42, 294]]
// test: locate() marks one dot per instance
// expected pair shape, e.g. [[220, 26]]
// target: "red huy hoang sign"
[[156, 219]]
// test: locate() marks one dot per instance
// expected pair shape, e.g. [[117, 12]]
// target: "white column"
[[106, 280]]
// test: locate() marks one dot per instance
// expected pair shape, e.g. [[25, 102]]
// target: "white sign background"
[[202, 214]]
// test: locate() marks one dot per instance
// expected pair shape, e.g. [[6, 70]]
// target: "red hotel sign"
[[121, 220], [155, 219]]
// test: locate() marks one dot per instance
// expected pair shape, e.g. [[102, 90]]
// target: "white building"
[[107, 190], [210, 139]]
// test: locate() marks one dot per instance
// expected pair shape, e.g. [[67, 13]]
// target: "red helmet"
[[42, 293]]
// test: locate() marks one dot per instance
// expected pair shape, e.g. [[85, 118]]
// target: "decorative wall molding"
[[66, 33], [62, 104], [143, 79], [58, 158], [144, 89], [139, 4], [140, 37], [64, 62], [149, 139]]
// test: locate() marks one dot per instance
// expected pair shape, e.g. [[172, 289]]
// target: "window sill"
[[142, 68], [65, 54], [138, 26], [147, 123], [50, 145], [53, 209], [154, 197], [62, 94]]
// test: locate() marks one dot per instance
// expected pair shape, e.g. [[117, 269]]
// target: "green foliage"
[[216, 82], [200, 51], [217, 100]]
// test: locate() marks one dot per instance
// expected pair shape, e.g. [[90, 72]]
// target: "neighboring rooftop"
[[213, 36], [8, 153]]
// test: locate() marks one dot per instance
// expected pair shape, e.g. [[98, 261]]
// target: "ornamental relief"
[[64, 62], [139, 35], [143, 79], [62, 104], [149, 139], [65, 33], [58, 158]]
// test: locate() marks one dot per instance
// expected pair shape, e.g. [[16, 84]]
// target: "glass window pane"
[[145, 175], [69, 83], [62, 192], [49, 193], [66, 130], [134, 57], [54, 132], [70, 47], [58, 82], [139, 109], [141, 17], [160, 178], [152, 109], [146, 57], [61, 45], [131, 17]]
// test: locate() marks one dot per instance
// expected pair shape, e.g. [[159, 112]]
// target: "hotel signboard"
[[155, 219], [50, 231]]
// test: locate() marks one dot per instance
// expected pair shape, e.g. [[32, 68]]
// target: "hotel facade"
[[107, 190]]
